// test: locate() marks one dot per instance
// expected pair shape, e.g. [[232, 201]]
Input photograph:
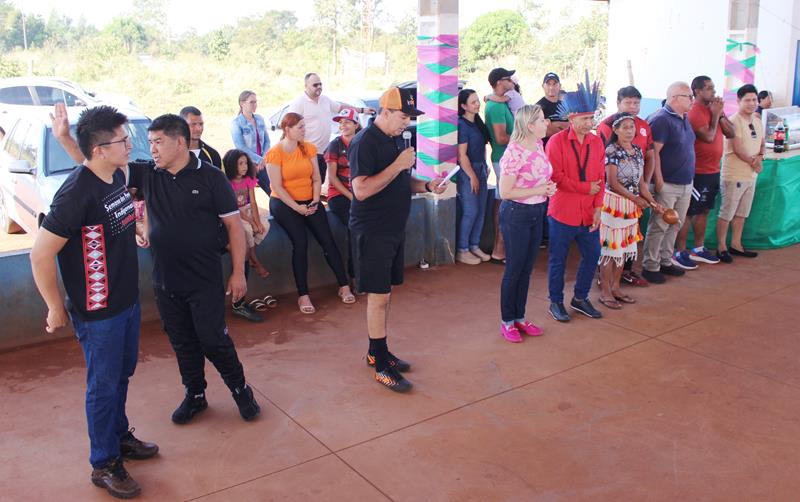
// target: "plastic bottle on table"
[[778, 142]]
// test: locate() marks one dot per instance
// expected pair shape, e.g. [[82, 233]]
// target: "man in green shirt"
[[500, 122]]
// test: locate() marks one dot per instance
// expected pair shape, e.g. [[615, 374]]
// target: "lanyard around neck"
[[581, 166]]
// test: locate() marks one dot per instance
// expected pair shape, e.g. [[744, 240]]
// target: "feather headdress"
[[584, 101]]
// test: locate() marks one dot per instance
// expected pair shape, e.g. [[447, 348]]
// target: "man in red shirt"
[[710, 124], [629, 100], [578, 159]]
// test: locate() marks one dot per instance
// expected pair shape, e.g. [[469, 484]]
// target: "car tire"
[[7, 225]]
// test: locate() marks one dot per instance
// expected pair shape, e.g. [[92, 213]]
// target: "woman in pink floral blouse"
[[524, 187]]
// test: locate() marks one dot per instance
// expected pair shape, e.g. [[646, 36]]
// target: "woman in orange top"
[[294, 204]]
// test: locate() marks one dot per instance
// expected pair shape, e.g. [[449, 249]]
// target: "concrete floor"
[[692, 394]]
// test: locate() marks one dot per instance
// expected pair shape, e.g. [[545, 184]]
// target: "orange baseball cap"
[[400, 99]]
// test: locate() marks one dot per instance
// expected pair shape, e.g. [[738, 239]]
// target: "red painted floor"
[[692, 394]]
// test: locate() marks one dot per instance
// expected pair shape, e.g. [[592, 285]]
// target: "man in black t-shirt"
[[90, 229], [203, 151], [186, 198], [549, 103], [380, 171]]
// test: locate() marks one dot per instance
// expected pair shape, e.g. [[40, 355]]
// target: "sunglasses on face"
[[318, 84]]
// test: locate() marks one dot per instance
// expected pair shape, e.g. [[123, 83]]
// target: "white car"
[[18, 94], [33, 166], [274, 120]]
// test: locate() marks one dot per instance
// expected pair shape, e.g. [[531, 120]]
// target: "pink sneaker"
[[529, 328], [510, 333]]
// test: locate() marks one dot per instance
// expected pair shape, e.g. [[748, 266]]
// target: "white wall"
[[666, 41], [669, 40], [777, 39]]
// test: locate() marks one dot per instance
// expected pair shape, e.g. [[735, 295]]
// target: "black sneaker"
[[243, 310], [724, 257], [558, 312], [192, 405], [586, 308], [672, 270], [248, 407], [653, 277], [392, 379], [116, 480], [394, 362], [134, 449]]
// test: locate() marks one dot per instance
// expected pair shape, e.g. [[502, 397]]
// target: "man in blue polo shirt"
[[673, 144]]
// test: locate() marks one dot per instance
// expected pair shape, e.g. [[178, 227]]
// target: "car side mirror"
[[20, 167]]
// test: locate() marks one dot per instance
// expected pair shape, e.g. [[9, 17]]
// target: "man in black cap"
[[380, 171], [549, 103]]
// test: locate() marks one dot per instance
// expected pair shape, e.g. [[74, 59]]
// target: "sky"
[[185, 14]]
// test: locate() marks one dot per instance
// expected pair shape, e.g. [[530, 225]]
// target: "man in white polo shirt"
[[318, 110]]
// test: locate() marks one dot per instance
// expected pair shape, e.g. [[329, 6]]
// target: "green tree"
[[152, 16], [333, 17], [219, 47], [10, 68], [580, 46], [492, 36], [128, 32]]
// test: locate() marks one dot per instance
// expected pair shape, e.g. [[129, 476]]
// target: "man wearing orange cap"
[[380, 172]]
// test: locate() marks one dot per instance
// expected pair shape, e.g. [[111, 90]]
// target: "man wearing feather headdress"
[[578, 159]]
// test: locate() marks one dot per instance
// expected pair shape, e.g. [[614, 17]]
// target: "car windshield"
[[57, 161]]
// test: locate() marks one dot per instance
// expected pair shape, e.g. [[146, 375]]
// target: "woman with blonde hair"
[[296, 184], [524, 185], [249, 134]]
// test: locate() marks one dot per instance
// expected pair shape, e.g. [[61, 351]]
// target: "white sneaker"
[[467, 258], [480, 254]]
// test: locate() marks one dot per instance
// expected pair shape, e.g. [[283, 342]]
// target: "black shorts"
[[704, 193], [378, 261]]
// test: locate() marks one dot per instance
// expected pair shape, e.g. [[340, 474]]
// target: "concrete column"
[[437, 130]]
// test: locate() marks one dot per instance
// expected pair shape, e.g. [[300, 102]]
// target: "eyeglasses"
[[318, 84], [753, 133], [126, 140], [691, 97]]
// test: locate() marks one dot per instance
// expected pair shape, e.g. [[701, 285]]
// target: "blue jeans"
[[110, 348], [521, 225], [473, 208], [561, 236]]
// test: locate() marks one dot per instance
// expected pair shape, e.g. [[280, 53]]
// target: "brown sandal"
[[612, 304], [623, 298]]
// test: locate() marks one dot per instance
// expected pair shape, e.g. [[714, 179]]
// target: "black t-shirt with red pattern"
[[98, 264], [337, 152]]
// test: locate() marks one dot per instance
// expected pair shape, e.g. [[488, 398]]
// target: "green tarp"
[[774, 220]]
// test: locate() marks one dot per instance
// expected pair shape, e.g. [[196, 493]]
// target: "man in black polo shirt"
[[185, 199], [197, 146], [90, 228], [380, 170]]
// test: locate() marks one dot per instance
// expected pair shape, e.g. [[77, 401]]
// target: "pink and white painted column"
[[437, 87]]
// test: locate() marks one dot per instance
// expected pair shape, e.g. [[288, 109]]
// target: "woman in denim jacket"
[[249, 134]]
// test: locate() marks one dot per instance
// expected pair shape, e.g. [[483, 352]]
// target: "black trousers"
[[295, 225], [340, 207], [195, 324]]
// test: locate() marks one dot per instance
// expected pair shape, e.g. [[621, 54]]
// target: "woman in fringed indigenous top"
[[625, 196]]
